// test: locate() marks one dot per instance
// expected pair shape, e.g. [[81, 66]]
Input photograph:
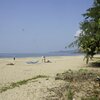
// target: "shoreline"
[[25, 55], [41, 56]]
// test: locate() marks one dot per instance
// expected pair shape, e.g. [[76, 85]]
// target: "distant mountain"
[[66, 51]]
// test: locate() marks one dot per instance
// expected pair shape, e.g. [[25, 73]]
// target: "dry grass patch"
[[83, 84]]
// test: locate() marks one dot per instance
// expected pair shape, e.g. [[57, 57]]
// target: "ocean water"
[[21, 55]]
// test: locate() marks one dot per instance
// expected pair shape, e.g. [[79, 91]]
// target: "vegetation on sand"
[[82, 84], [17, 84]]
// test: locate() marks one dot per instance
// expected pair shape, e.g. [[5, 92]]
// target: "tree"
[[89, 39]]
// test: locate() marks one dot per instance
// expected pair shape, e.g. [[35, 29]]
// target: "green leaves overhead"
[[89, 39]]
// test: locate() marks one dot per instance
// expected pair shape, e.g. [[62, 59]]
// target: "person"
[[43, 59], [48, 61], [14, 58]]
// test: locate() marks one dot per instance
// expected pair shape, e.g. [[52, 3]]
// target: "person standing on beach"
[[14, 58]]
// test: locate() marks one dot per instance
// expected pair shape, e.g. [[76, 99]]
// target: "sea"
[[23, 55]]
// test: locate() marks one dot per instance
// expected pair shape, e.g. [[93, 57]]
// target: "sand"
[[21, 70]]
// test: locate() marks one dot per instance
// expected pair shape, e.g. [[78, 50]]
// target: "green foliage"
[[89, 39]]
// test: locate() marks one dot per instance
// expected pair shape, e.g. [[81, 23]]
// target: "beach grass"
[[70, 94], [22, 82], [81, 82]]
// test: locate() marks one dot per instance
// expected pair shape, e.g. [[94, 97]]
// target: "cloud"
[[77, 33]]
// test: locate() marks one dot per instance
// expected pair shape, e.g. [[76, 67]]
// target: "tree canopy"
[[88, 40]]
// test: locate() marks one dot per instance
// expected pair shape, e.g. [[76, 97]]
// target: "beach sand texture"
[[21, 70], [35, 90]]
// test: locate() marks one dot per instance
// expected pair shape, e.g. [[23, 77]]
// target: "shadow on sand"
[[94, 64]]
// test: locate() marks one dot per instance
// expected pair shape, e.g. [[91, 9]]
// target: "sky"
[[38, 26]]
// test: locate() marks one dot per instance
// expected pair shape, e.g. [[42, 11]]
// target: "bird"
[[23, 29]]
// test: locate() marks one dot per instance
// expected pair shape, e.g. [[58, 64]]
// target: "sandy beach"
[[22, 70]]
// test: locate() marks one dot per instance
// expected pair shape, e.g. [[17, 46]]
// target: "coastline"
[[49, 54]]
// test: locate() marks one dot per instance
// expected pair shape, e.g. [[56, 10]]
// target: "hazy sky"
[[39, 25]]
